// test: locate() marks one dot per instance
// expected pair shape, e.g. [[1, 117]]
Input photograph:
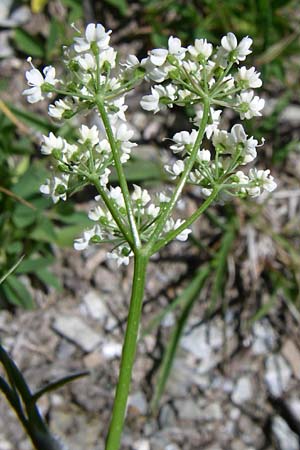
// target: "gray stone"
[[264, 338], [285, 437], [111, 349], [278, 374], [188, 410], [243, 391], [94, 306], [138, 401], [74, 329]]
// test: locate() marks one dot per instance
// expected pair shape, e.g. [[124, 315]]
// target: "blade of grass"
[[58, 383], [187, 300], [11, 270]]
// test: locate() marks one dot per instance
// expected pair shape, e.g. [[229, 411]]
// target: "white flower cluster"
[[198, 75], [189, 73], [145, 211], [230, 150], [91, 149]]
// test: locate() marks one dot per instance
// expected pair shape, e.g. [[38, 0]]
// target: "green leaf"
[[30, 45], [34, 264], [29, 183], [23, 216], [33, 120], [48, 279], [17, 293], [58, 384], [44, 231]]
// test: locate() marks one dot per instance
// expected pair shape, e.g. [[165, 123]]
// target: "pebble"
[[77, 331], [141, 444], [94, 306], [243, 391], [285, 437], [264, 338], [111, 349], [278, 374], [138, 401]]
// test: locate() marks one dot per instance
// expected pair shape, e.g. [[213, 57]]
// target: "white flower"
[[248, 105], [176, 169], [57, 110], [52, 142], [163, 198], [247, 147], [96, 213], [108, 56], [248, 78], [183, 139], [153, 102], [36, 80], [121, 255], [104, 178], [238, 51], [122, 132], [56, 187], [261, 180], [172, 225], [89, 135], [153, 72], [158, 56], [152, 210], [203, 155], [241, 179], [93, 33], [215, 116], [175, 49], [201, 48], [83, 242], [116, 195], [140, 195]]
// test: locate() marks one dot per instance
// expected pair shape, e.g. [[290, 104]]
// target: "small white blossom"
[[176, 169], [89, 135], [121, 255], [153, 102], [248, 78], [93, 33], [140, 195], [115, 194], [183, 139], [152, 210], [56, 187], [201, 48], [36, 80], [215, 116], [230, 46], [203, 155], [59, 108], [83, 242], [52, 142], [248, 105], [175, 49], [104, 178], [247, 147], [262, 180]]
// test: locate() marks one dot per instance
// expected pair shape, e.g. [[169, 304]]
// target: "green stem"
[[172, 235], [128, 353], [188, 167], [120, 172]]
